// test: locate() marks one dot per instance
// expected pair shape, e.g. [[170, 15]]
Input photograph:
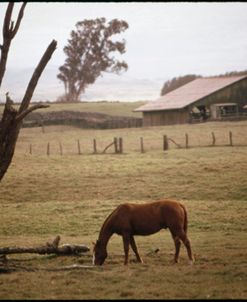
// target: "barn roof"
[[190, 93]]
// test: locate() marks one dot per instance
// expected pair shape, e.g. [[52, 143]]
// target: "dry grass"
[[71, 195]]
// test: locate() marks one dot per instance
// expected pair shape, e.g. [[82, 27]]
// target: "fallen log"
[[49, 248]]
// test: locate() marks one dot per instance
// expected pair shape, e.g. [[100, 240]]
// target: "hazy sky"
[[163, 40]]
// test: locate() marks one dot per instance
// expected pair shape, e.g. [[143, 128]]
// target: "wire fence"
[[125, 144]]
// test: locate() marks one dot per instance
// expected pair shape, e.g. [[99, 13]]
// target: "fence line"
[[117, 145]]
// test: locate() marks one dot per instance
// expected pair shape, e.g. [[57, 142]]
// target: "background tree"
[[11, 120], [177, 82], [89, 53]]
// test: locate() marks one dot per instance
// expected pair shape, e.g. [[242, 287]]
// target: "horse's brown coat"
[[130, 219]]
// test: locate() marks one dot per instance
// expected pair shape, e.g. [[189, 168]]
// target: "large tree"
[[12, 118], [90, 51]]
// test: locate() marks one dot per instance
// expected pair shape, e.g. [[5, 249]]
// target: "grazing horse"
[[130, 219]]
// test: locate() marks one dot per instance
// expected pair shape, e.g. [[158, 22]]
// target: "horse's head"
[[99, 253]]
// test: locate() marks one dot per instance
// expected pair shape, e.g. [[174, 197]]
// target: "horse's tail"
[[185, 219]]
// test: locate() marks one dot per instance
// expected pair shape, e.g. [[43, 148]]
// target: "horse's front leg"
[[126, 242], [134, 248]]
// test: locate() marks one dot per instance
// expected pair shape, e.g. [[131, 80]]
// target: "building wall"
[[236, 93], [169, 117]]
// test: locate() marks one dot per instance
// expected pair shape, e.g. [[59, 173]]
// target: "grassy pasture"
[[112, 108], [71, 195]]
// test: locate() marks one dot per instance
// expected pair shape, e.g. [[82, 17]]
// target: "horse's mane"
[[107, 220]]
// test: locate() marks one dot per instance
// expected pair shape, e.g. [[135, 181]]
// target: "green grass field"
[[112, 108], [71, 195]]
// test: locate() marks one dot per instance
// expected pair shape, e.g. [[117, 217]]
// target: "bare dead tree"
[[9, 31], [12, 118]]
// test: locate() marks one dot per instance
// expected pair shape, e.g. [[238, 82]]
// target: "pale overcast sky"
[[163, 40]]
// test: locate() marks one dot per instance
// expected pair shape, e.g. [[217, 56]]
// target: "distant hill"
[[110, 87]]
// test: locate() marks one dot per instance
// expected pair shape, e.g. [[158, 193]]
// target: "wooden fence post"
[[142, 145], [94, 146], [48, 149], [186, 141], [61, 148], [120, 143], [116, 144], [79, 147], [230, 138], [165, 143], [213, 138]]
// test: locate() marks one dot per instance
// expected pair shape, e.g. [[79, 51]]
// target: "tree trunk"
[[9, 130], [12, 119]]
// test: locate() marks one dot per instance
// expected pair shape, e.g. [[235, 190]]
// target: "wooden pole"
[[94, 146], [142, 145], [48, 149], [30, 149], [108, 146], [120, 142], [230, 138], [116, 144], [61, 148], [186, 141], [165, 143], [79, 147]]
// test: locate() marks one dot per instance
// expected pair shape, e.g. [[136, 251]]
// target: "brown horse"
[[129, 219]]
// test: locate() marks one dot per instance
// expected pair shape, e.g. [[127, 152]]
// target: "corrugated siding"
[[170, 117]]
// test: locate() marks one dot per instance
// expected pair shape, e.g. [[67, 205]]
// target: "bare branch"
[[9, 31], [11, 120], [18, 22], [36, 75], [7, 19], [24, 113]]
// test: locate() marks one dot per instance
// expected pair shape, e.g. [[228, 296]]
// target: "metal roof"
[[189, 93]]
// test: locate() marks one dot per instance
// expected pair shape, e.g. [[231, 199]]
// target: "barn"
[[212, 98]]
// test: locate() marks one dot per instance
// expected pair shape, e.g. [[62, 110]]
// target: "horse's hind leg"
[[177, 247], [186, 242], [134, 248]]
